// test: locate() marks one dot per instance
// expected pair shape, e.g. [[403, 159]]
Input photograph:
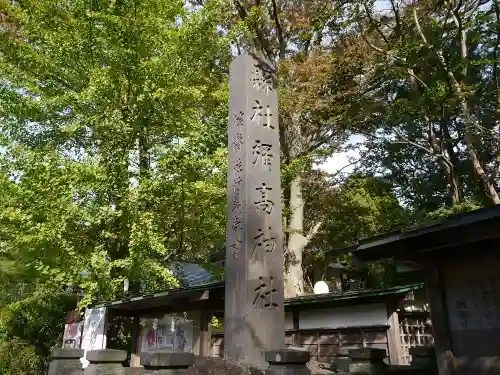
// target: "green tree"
[[361, 207], [112, 154], [316, 63], [433, 121], [114, 140]]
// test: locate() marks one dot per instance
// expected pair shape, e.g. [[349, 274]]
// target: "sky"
[[342, 159]]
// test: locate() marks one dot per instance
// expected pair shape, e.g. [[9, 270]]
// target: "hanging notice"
[[94, 331], [72, 331], [171, 332], [474, 303]]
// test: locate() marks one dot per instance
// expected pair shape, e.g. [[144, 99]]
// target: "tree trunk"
[[488, 186], [294, 281], [453, 183]]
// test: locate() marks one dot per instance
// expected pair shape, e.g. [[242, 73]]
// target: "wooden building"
[[461, 267], [320, 323]]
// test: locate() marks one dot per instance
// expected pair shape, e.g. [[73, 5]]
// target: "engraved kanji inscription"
[[238, 118], [264, 293], [236, 224], [262, 153], [237, 183], [238, 166], [262, 116], [263, 241], [261, 81], [264, 203], [235, 247], [237, 142], [237, 207]]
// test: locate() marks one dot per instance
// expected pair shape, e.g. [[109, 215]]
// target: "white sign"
[[94, 331]]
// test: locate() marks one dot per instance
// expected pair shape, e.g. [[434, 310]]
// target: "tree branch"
[[380, 50], [260, 41], [417, 25], [496, 167], [374, 24], [496, 57], [398, 28], [312, 232], [279, 31]]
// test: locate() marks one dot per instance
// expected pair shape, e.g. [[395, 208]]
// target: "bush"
[[20, 358], [29, 329]]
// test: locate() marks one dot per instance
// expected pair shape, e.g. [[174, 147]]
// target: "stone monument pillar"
[[254, 304]]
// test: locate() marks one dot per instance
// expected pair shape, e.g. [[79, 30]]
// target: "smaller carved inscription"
[[237, 183], [261, 81], [263, 241], [238, 118], [261, 116], [237, 142], [264, 203], [238, 166], [236, 224], [263, 152], [236, 206], [264, 293], [235, 247]]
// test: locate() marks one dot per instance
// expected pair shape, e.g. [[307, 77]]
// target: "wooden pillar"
[[393, 335], [205, 334], [135, 359], [195, 317], [439, 312], [296, 327]]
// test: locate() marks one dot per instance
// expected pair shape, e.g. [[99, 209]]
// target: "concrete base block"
[[287, 362], [368, 361], [105, 362], [65, 361]]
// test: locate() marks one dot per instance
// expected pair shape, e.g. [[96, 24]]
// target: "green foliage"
[[20, 358], [112, 153], [430, 113], [447, 211], [364, 206], [113, 122], [216, 323], [31, 324], [115, 141]]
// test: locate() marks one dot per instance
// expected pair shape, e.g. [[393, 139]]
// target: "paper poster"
[[171, 332], [94, 331], [184, 336], [72, 331]]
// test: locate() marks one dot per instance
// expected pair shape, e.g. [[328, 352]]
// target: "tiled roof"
[[190, 274]]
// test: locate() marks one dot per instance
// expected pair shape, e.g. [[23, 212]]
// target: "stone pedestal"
[[367, 361], [166, 362], [287, 362], [343, 360], [65, 361], [105, 362], [423, 357]]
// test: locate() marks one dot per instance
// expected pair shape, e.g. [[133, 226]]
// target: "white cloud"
[[341, 160]]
